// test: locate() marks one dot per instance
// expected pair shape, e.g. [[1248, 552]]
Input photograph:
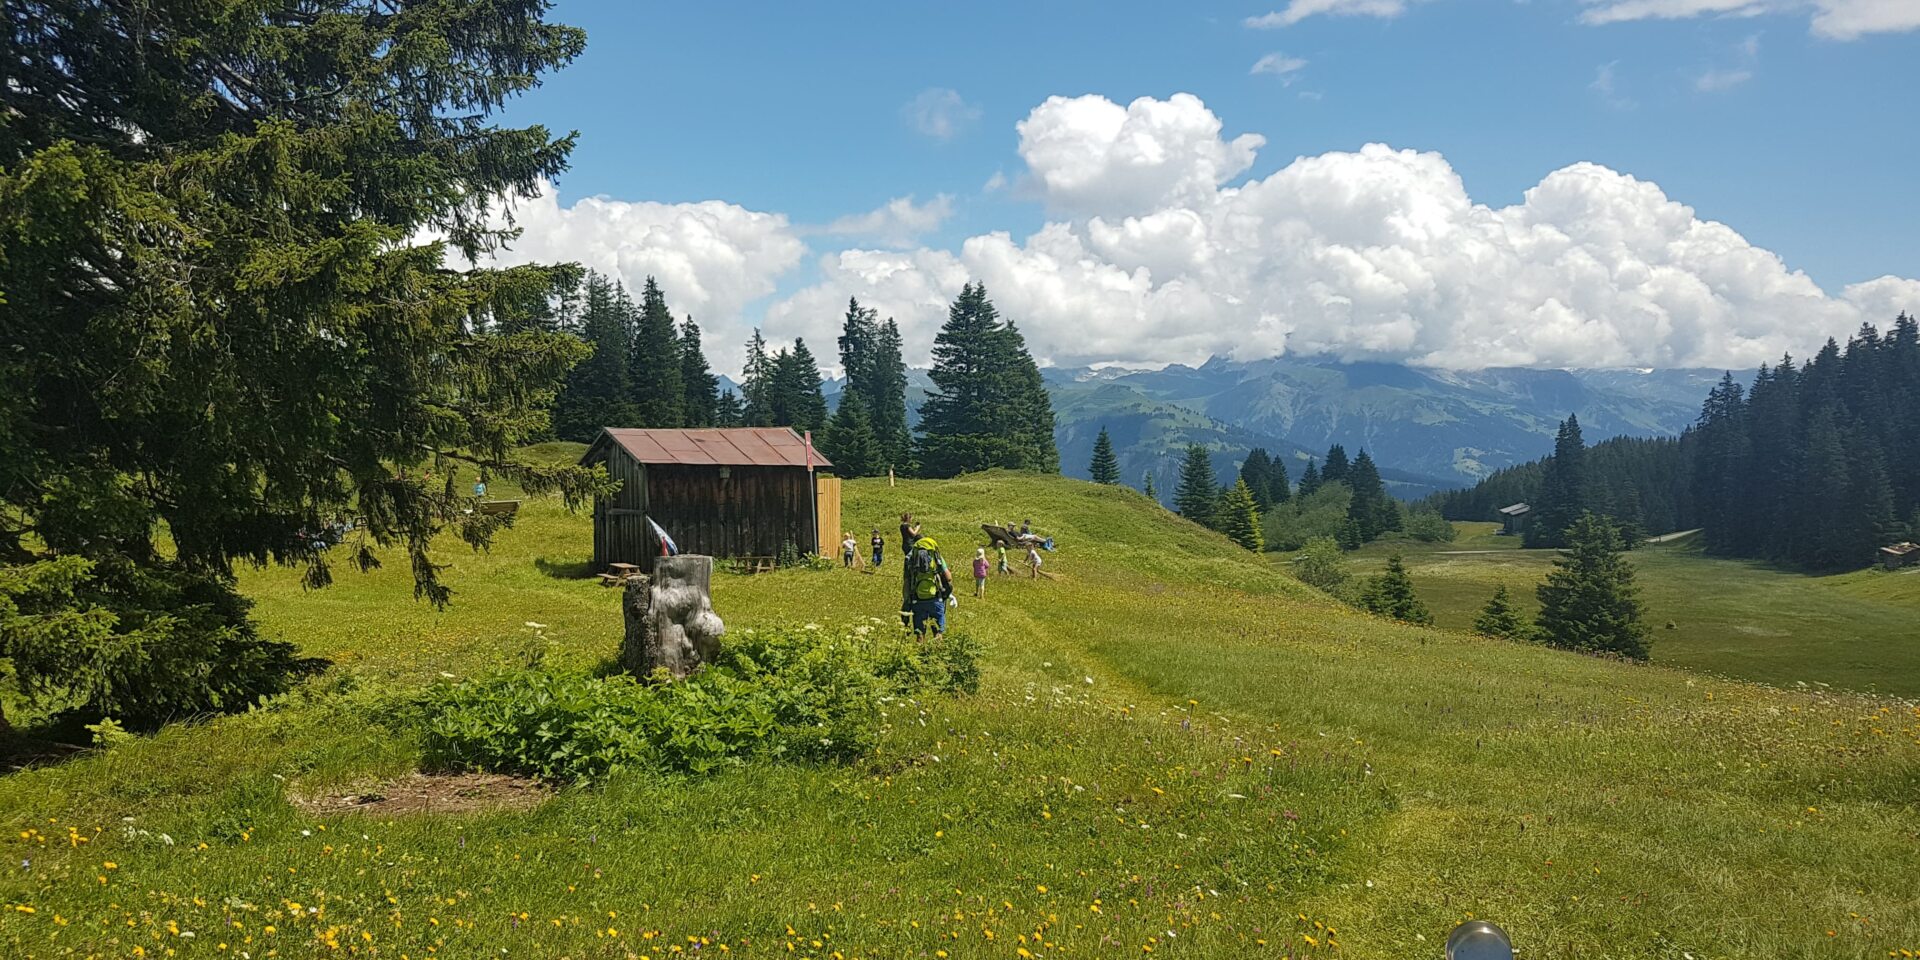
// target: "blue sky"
[[1803, 142]]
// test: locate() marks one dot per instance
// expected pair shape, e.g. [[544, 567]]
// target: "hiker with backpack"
[[928, 585]]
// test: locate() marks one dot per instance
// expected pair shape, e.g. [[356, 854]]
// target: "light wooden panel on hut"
[[828, 511]]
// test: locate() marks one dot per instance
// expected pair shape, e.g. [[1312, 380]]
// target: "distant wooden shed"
[[1897, 555], [1513, 518], [738, 492]]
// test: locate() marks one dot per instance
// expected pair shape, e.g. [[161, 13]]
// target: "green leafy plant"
[[795, 693]]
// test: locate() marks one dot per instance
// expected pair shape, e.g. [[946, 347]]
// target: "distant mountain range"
[[1427, 429]]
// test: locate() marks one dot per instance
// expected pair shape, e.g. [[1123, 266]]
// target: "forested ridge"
[[1812, 465]]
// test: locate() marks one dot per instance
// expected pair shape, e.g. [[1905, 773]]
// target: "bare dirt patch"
[[433, 793]]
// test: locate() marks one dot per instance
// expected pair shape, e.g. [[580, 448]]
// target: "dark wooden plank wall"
[[752, 513], [620, 533]]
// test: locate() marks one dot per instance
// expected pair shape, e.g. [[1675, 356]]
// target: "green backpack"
[[923, 572]]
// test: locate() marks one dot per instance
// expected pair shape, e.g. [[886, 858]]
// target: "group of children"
[[926, 571]]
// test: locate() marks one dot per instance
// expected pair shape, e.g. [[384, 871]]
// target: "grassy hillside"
[[1859, 631], [1176, 751]]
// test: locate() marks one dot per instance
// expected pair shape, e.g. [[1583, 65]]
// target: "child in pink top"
[[980, 572]]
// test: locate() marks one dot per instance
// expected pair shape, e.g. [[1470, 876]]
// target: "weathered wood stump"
[[669, 618]]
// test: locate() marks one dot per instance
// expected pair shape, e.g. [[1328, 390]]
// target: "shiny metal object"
[[1479, 940]]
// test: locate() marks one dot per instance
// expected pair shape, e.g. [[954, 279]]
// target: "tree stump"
[[669, 618]]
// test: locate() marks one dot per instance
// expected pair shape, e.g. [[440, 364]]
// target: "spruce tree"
[[808, 409], [1390, 594], [241, 307], [1257, 470], [1309, 479], [989, 407], [659, 395], [702, 387], [1563, 488], [848, 440], [858, 342], [887, 400], [728, 411], [597, 390], [1500, 618], [1371, 511], [1194, 498], [757, 384], [1105, 468], [1589, 601], [1239, 517], [1146, 487], [870, 360], [1279, 485], [1335, 468]]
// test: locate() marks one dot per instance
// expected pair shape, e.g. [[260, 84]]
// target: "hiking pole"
[[1479, 940]]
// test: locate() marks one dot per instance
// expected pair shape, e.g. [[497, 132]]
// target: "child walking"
[[980, 572], [849, 551], [879, 547], [1033, 560], [1004, 566]]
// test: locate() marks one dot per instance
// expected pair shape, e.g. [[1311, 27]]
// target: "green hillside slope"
[[1857, 631], [1176, 751]]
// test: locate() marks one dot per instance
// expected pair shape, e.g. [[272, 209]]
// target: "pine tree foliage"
[[1390, 594], [221, 322], [659, 393], [728, 411], [1105, 467], [1334, 468], [1196, 496], [1641, 481], [1239, 517], [1279, 485], [598, 390], [989, 407], [887, 400], [702, 387], [756, 384], [1146, 487], [1563, 488], [848, 440], [1814, 466], [870, 358], [1257, 472], [1372, 511], [1309, 479], [798, 401], [1500, 618], [1589, 601]]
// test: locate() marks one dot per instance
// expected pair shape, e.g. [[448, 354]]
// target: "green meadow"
[[1857, 631], [1177, 750]]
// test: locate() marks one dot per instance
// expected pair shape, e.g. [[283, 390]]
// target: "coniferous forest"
[[1813, 465]]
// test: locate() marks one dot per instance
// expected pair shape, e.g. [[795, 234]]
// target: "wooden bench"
[[619, 573]]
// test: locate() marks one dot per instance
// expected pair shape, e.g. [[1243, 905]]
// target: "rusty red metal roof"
[[730, 446]]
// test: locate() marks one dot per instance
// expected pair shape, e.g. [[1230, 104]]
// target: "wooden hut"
[[1896, 555], [1513, 518], [739, 492]]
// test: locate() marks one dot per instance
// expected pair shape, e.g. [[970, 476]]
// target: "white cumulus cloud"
[[1377, 254], [711, 259], [1091, 155]]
